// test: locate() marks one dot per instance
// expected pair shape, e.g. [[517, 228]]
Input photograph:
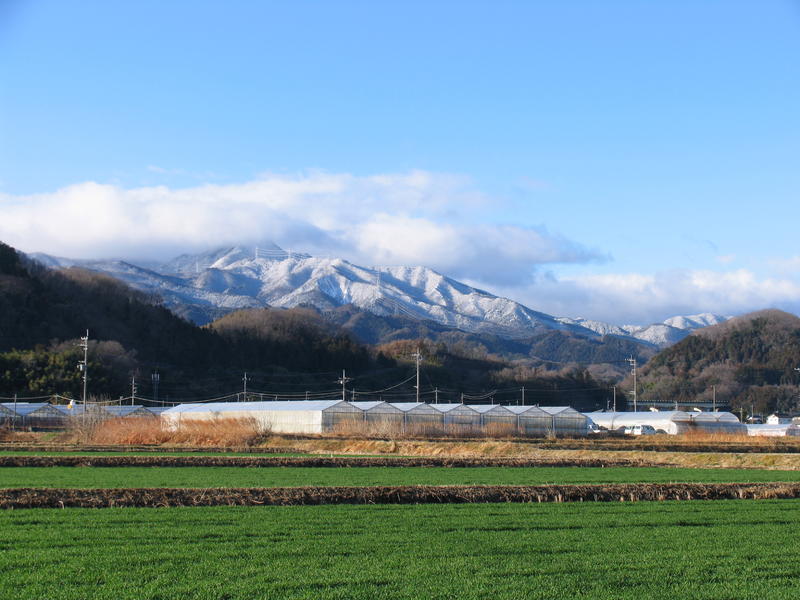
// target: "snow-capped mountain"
[[666, 333], [205, 286]]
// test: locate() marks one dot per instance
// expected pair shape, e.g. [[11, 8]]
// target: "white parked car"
[[640, 430]]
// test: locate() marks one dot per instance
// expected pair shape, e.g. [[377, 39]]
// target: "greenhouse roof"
[[253, 406], [524, 408], [122, 411], [26, 408], [447, 407], [484, 408], [407, 406], [369, 405]]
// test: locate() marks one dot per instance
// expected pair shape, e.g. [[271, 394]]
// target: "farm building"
[[36, 415], [313, 416], [568, 421], [772, 430], [419, 414], [459, 414], [495, 415], [717, 422], [672, 422], [135, 410], [779, 419], [532, 420], [378, 412]]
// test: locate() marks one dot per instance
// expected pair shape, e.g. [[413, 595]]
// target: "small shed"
[[779, 419], [379, 412], [495, 415], [532, 420], [459, 414]]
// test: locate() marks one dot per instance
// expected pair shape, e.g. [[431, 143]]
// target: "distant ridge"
[[206, 285]]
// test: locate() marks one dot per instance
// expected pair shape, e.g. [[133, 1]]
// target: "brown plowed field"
[[169, 497], [305, 461]]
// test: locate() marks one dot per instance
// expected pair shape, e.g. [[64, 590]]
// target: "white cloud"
[[411, 218], [647, 298]]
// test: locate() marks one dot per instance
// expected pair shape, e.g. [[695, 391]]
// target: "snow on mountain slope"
[[203, 286]]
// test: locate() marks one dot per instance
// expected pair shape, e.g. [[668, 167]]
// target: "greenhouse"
[[496, 416], [717, 422], [378, 412], [135, 410], [672, 422], [459, 414], [419, 414], [568, 421], [774, 430], [311, 416], [532, 420], [35, 415]]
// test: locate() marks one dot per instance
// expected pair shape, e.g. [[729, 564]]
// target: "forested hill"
[[44, 312], [750, 359]]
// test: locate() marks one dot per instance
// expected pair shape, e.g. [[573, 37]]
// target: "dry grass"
[[165, 497], [138, 431]]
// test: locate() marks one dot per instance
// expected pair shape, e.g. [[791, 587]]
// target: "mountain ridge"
[[202, 287]]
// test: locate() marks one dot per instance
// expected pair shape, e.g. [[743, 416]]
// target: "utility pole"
[[523, 395], [133, 388], [344, 379], [83, 366], [436, 395], [632, 362], [155, 378], [417, 357], [244, 380], [714, 398], [14, 426], [615, 398]]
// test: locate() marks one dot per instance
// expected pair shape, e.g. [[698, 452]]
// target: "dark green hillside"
[[551, 350], [750, 360], [43, 313]]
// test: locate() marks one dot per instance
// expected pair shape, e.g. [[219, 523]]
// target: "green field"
[[690, 550], [204, 477]]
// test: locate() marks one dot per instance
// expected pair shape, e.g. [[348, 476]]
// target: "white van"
[[640, 430]]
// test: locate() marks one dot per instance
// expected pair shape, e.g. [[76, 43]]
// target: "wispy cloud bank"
[[647, 298], [410, 218]]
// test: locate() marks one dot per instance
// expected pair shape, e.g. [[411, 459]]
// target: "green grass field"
[[204, 477], [697, 550]]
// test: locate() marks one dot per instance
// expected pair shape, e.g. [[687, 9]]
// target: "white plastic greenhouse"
[[378, 412], [135, 410], [774, 430], [459, 414], [36, 415], [312, 416], [495, 415], [568, 421], [532, 420], [672, 422], [717, 422]]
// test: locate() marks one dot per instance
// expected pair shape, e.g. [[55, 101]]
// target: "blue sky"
[[616, 160]]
